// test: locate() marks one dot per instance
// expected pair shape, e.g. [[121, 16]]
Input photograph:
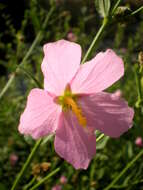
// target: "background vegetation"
[[78, 21]]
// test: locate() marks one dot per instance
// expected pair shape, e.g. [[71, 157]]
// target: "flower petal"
[[98, 74], [74, 144], [40, 116], [107, 113], [60, 63]]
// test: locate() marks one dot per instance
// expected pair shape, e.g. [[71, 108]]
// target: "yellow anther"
[[76, 110]]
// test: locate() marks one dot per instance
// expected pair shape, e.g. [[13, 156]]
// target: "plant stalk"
[[100, 137], [138, 10], [124, 170], [100, 31], [116, 6], [35, 42], [45, 179], [138, 84], [26, 164]]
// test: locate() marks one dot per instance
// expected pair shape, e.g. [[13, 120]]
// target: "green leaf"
[[103, 7], [107, 5], [129, 149]]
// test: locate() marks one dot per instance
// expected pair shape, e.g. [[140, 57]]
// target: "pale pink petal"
[[109, 114], [40, 116], [60, 63], [98, 74], [73, 143]]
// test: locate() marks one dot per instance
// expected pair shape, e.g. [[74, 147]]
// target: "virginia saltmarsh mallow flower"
[[73, 104]]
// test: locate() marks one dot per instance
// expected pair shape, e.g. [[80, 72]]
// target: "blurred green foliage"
[[125, 36]]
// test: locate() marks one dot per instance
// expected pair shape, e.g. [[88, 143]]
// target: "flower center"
[[69, 102]]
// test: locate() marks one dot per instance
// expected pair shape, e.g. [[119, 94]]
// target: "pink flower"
[[63, 179], [57, 187], [13, 159], [139, 141], [73, 104], [71, 37]]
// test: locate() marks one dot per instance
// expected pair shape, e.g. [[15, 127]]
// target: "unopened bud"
[[36, 170], [122, 10], [93, 183], [140, 58], [71, 37], [20, 37], [139, 141], [13, 159], [45, 166], [57, 187], [63, 179]]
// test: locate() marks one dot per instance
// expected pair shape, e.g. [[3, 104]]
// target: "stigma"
[[68, 101]]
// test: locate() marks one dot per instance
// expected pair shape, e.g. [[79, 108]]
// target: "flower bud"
[[63, 179], [71, 37], [122, 10], [57, 187], [36, 169], [140, 58], [13, 159], [45, 166], [139, 142]]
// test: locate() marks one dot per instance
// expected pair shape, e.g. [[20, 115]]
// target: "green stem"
[[45, 179], [124, 170], [30, 157], [138, 84], [7, 85], [105, 21], [31, 76], [30, 183], [136, 11], [127, 185], [116, 6], [100, 137], [35, 42]]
